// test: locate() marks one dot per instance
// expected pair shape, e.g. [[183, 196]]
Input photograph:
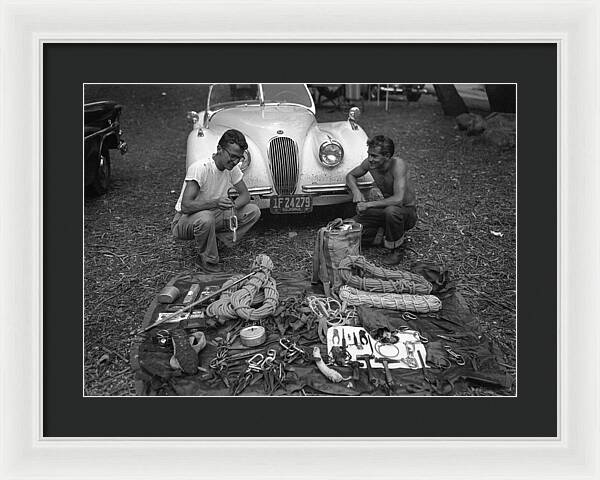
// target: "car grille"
[[283, 159]]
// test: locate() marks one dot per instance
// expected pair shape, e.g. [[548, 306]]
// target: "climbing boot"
[[184, 356], [211, 267]]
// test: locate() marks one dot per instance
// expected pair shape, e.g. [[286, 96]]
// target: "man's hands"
[[225, 203], [358, 197], [361, 206]]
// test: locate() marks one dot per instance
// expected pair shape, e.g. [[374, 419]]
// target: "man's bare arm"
[[351, 177], [244, 195], [400, 173], [191, 204]]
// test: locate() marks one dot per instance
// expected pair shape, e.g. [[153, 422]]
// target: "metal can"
[[168, 294]]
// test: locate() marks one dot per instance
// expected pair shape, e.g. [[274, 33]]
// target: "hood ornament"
[[279, 132]]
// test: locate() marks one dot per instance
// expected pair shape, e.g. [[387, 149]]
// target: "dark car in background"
[[102, 133]]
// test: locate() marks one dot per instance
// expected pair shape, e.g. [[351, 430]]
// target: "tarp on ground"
[[483, 359]]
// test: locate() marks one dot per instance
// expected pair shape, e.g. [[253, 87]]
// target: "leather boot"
[[211, 267]]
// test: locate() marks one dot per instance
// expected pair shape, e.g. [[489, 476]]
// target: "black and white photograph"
[[335, 240], [301, 239]]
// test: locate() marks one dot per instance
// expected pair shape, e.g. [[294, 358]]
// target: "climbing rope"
[[238, 302], [393, 301], [380, 279], [221, 308], [334, 313]]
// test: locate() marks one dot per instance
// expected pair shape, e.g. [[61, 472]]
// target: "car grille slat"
[[283, 161]]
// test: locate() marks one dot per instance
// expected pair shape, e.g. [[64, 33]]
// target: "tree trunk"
[[502, 98], [452, 103]]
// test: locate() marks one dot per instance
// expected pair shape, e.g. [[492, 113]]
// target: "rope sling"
[[380, 279], [238, 301]]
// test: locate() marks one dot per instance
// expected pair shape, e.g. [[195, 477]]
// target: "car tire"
[[102, 179], [413, 96]]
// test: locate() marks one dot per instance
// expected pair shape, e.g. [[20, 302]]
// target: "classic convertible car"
[[292, 162]]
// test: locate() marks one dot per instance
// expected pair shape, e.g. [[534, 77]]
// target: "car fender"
[[200, 147], [258, 173], [354, 143]]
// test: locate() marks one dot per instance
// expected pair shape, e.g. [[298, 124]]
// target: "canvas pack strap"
[[328, 285], [317, 256]]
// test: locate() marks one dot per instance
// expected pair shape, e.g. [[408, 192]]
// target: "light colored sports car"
[[292, 162]]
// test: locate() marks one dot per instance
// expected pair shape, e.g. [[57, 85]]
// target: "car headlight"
[[245, 162], [331, 154]]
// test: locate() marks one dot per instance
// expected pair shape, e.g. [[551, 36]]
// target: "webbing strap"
[[317, 256], [328, 264]]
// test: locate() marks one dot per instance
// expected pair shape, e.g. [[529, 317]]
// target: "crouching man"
[[204, 207], [394, 213]]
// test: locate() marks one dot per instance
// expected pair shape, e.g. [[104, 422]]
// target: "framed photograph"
[[61, 419]]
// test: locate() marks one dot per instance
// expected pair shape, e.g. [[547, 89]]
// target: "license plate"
[[291, 204]]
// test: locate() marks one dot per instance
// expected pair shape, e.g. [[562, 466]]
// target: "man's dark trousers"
[[395, 220]]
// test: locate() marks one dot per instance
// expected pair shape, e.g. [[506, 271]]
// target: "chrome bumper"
[[314, 189], [333, 188]]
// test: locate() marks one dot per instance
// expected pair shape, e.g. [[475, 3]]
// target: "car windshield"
[[287, 93], [227, 95]]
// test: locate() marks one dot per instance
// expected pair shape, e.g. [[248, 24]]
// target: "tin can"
[[168, 294], [253, 336]]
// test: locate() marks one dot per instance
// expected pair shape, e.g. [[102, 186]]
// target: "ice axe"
[[367, 359], [388, 374]]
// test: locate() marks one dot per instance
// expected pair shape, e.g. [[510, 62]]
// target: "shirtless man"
[[396, 212]]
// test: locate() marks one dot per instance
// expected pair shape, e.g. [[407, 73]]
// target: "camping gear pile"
[[373, 332]]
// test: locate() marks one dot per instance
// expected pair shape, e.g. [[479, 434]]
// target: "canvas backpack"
[[333, 243]]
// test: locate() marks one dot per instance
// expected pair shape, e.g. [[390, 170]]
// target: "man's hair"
[[383, 143], [233, 136]]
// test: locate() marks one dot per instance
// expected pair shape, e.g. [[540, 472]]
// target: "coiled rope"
[[381, 280], [221, 308], [392, 301], [237, 302]]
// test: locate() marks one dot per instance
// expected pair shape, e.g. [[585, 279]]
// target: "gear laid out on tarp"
[[376, 353]]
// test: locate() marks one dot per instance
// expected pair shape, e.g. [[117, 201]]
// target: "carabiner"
[[255, 362], [421, 338], [233, 224], [457, 357], [409, 316], [267, 363]]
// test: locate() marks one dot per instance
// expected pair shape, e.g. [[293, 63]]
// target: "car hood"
[[265, 122]]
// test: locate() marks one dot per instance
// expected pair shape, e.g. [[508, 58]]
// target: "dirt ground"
[[466, 189]]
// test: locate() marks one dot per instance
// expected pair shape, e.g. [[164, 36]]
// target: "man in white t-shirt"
[[204, 207]]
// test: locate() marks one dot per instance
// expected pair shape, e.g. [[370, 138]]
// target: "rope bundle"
[[222, 308], [237, 302], [386, 281], [393, 301]]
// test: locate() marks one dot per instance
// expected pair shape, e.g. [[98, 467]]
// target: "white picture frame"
[[573, 26]]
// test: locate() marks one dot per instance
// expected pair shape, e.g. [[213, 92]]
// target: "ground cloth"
[[154, 376]]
